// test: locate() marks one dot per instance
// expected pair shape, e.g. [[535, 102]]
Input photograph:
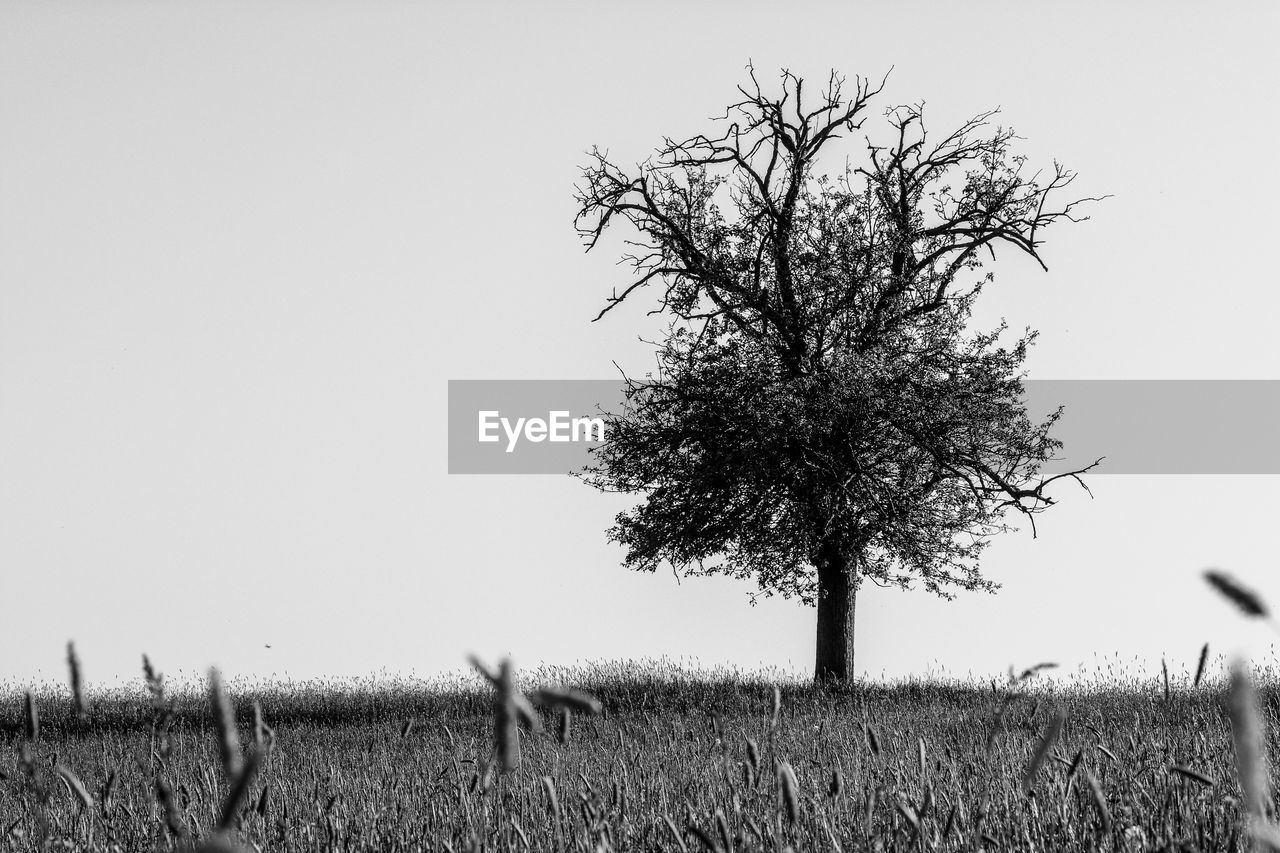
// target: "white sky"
[[244, 246]]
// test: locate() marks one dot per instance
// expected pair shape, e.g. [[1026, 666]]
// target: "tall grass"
[[1050, 765], [646, 756]]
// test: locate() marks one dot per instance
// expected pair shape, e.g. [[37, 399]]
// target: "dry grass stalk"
[[997, 721], [154, 680], [1194, 776], [264, 800], [1099, 800], [722, 826], [553, 801], [675, 833], [524, 839], [259, 728], [77, 687], [76, 787], [706, 840], [831, 836], [950, 824], [219, 844], [873, 799], [239, 793], [510, 710], [224, 721], [789, 791], [909, 814], [173, 817], [1248, 737], [1267, 835], [837, 784], [578, 701], [1051, 732], [1031, 671], [1204, 658], [106, 793], [31, 717], [873, 742], [565, 727]]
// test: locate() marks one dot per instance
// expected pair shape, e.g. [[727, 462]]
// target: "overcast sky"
[[244, 246]]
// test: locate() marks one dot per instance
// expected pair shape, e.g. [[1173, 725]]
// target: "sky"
[[244, 247]]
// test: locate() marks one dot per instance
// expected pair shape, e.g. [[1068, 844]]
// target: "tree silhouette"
[[821, 413]]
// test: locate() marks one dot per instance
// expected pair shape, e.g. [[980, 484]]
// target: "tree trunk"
[[837, 594]]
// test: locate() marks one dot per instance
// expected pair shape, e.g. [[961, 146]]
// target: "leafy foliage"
[[819, 396]]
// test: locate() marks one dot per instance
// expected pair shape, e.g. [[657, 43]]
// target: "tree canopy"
[[821, 411]]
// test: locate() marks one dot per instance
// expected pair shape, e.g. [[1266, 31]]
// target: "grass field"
[[717, 761]]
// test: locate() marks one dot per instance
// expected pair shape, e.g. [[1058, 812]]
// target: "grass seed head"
[[1204, 658], [1248, 601], [155, 683], [908, 813]]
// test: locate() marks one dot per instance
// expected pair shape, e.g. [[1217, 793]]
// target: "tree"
[[821, 413]]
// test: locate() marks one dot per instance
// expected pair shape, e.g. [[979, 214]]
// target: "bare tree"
[[821, 413]]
